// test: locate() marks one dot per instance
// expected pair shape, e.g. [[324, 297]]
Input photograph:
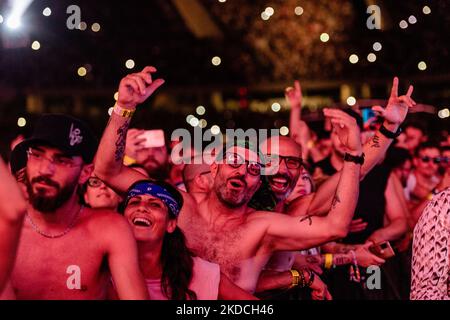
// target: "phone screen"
[[367, 114], [153, 138]]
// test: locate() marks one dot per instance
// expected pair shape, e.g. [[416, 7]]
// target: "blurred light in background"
[[353, 58], [351, 101], [35, 45], [200, 110], [47, 12], [371, 57], [422, 66], [216, 61], [130, 64], [324, 37], [444, 113], [377, 46], [284, 131], [21, 122]]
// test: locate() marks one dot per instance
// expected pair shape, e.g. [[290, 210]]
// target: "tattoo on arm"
[[341, 260], [335, 202], [312, 260], [308, 217], [376, 142], [120, 142], [346, 249]]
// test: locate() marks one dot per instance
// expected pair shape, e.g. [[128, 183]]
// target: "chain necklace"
[[51, 236]]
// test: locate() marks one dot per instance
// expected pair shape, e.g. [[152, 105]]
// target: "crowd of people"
[[297, 217]]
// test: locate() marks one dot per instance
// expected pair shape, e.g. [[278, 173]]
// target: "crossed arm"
[[12, 210]]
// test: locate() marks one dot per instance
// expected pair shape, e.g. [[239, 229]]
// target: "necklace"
[[55, 236]]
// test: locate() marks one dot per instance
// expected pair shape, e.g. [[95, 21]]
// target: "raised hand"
[[135, 88], [397, 107], [294, 95], [347, 130]]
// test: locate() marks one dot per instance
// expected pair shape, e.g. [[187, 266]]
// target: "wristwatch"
[[355, 159], [389, 134]]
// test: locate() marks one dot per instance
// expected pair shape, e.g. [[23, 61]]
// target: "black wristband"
[[355, 159], [311, 278], [389, 134]]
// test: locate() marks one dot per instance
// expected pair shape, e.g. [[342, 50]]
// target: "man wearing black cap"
[[67, 251]]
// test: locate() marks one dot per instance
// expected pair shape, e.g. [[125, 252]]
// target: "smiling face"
[[149, 218], [235, 185], [283, 181]]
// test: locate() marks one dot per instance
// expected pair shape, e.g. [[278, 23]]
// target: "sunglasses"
[[291, 162], [436, 160], [235, 160]]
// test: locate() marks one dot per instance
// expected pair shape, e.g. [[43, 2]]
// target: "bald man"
[[197, 179]]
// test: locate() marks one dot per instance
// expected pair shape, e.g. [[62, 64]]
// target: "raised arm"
[[133, 90], [12, 210], [295, 233], [394, 114]]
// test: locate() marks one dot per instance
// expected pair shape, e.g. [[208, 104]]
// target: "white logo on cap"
[[74, 136]]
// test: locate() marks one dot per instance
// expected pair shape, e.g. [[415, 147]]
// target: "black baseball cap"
[[71, 135]]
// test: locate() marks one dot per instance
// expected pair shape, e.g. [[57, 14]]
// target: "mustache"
[[46, 180], [240, 178]]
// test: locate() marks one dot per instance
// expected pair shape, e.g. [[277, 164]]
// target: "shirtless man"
[[12, 211], [222, 228], [67, 251]]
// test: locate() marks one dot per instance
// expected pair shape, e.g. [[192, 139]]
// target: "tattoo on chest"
[[376, 142], [120, 142]]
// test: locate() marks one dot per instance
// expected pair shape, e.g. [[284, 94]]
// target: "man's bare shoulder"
[[103, 221]]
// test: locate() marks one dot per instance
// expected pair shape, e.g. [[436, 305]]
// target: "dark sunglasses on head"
[[235, 160]]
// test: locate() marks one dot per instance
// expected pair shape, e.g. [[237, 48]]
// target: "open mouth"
[[142, 222], [236, 184], [279, 184]]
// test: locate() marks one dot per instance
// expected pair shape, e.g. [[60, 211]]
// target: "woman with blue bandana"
[[170, 269]]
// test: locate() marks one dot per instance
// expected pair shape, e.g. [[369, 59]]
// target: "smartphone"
[[367, 115], [153, 138], [382, 250]]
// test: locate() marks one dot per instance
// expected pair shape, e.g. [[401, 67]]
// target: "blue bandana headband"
[[148, 188]]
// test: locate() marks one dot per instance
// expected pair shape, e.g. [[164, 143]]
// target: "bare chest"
[[71, 267], [234, 248]]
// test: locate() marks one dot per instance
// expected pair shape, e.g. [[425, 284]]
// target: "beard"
[[232, 199], [49, 204]]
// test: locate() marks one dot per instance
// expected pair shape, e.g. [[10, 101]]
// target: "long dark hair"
[[176, 259], [177, 265]]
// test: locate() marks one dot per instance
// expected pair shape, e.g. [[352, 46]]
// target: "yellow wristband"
[[128, 161], [328, 261], [125, 113], [295, 278]]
